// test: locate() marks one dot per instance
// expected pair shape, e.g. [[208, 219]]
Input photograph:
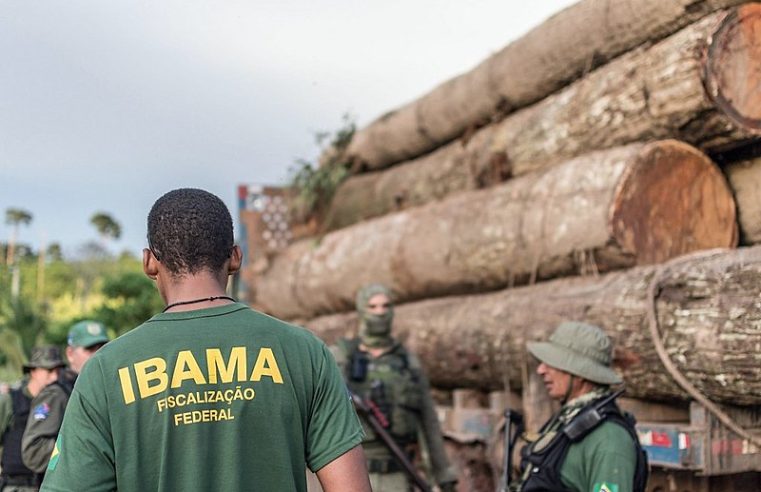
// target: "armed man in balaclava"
[[386, 376]]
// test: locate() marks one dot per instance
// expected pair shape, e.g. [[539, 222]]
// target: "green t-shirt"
[[214, 399], [603, 461]]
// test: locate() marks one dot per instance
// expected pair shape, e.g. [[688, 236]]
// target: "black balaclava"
[[374, 330]]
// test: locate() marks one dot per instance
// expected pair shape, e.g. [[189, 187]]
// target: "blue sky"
[[104, 106]]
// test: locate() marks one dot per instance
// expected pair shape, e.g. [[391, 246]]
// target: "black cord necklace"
[[196, 301]]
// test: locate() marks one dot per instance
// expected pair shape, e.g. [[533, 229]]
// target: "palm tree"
[[15, 217], [107, 227]]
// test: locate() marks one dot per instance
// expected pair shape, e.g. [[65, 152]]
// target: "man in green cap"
[[42, 369], [589, 445], [389, 377], [42, 427]]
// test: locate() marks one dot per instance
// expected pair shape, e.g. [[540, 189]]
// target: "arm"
[[42, 426], [83, 458], [6, 410], [347, 473]]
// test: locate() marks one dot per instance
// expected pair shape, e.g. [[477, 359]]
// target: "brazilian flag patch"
[[55, 455], [605, 487]]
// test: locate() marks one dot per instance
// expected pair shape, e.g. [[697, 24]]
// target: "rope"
[[724, 418]]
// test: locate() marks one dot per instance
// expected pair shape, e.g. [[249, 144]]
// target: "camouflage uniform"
[[394, 382], [15, 408], [48, 407]]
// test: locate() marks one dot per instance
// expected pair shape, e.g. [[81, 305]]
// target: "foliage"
[[315, 184], [107, 227], [54, 252], [15, 217], [130, 299]]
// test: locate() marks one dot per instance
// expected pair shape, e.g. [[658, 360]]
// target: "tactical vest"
[[11, 462], [388, 382], [544, 459]]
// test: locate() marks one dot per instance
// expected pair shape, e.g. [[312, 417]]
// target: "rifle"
[[513, 429], [374, 418]]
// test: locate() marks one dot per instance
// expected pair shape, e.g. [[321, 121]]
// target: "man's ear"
[[236, 259], [150, 264]]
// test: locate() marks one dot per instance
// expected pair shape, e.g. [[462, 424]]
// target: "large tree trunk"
[[707, 307], [450, 169], [658, 92], [745, 180], [639, 204], [562, 49]]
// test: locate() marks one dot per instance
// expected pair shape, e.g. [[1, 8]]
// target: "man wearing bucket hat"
[[41, 370], [383, 373], [42, 427], [589, 445]]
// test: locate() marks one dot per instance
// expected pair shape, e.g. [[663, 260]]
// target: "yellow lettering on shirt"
[[186, 368], [144, 376], [266, 365], [215, 362], [153, 377], [126, 381]]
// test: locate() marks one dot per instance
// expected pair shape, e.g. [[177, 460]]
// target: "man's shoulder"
[[609, 436], [53, 391]]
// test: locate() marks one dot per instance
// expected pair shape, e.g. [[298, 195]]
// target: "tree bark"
[[698, 85], [745, 181], [638, 204], [453, 168], [707, 309], [564, 48]]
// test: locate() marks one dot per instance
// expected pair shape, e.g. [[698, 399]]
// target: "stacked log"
[[707, 307], [546, 59], [698, 85], [638, 204], [745, 179]]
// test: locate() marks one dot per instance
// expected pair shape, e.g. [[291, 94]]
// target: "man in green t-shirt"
[[209, 394], [589, 445]]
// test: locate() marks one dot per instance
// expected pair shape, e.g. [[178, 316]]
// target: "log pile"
[[552, 182], [562, 49], [638, 204], [683, 87]]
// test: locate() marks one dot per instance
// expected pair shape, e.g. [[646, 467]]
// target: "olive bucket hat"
[[46, 357], [580, 349]]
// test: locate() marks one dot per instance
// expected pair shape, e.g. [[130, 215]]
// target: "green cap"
[[46, 357], [87, 333], [580, 349]]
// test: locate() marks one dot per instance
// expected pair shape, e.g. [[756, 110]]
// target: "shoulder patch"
[[605, 487], [41, 411]]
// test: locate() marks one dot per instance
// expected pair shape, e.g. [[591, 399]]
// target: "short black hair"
[[190, 230]]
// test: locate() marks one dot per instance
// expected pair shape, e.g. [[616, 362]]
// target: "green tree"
[[107, 227], [15, 217], [131, 298], [54, 252]]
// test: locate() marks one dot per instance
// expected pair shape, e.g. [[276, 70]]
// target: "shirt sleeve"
[[42, 426], [604, 461], [333, 426], [83, 458]]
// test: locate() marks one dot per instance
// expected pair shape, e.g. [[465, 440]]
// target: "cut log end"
[[673, 201], [733, 67]]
